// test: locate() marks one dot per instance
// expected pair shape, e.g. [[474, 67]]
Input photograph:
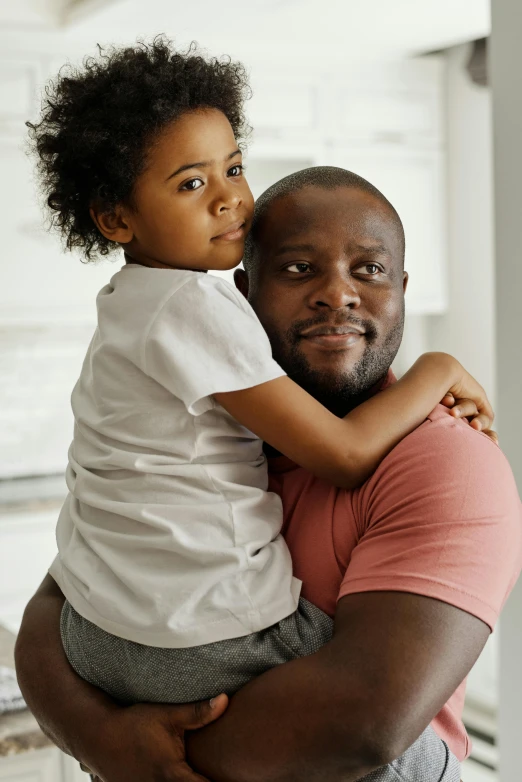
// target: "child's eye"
[[236, 170], [192, 184]]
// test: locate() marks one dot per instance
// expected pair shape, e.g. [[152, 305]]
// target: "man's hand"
[[125, 755], [142, 743]]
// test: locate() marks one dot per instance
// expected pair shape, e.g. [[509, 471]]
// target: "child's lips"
[[233, 232]]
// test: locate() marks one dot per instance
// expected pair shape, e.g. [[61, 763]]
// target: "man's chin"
[[342, 382]]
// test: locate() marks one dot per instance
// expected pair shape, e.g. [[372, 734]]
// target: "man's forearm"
[[58, 698], [250, 744], [316, 717], [286, 725]]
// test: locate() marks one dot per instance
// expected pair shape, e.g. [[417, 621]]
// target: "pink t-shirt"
[[440, 517]]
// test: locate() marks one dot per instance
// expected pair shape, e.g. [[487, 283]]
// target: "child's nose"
[[229, 198]]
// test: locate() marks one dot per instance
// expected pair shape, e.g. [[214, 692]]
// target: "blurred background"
[[397, 92]]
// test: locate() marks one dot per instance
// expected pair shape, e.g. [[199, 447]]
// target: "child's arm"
[[346, 451]]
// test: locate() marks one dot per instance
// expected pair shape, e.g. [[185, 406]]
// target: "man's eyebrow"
[[294, 248], [373, 249], [201, 164]]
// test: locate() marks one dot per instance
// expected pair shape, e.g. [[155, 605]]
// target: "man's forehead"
[[312, 213]]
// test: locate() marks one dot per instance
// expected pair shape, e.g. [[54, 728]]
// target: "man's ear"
[[405, 278], [113, 225], [241, 280]]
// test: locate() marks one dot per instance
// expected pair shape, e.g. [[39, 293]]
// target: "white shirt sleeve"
[[207, 339]]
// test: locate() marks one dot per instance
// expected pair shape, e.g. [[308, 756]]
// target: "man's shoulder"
[[443, 437], [441, 517], [446, 470]]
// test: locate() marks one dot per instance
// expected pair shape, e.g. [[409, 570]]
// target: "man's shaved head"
[[324, 272], [324, 177]]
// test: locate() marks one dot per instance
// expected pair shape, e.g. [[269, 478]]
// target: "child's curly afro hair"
[[99, 121]]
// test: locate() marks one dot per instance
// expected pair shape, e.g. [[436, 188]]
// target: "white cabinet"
[[42, 765], [413, 181], [38, 281], [27, 548], [385, 125], [71, 771], [384, 122]]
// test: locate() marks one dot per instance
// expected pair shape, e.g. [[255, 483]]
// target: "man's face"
[[329, 290]]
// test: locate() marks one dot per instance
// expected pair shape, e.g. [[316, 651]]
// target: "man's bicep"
[[440, 519], [410, 652]]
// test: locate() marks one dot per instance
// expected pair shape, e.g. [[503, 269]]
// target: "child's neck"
[[158, 265]]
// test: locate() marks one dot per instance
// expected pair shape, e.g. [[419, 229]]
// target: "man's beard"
[[339, 392]]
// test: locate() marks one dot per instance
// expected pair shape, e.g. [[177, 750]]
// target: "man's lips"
[[232, 232], [331, 337]]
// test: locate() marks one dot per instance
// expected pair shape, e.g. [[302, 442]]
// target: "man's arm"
[[142, 743], [355, 705], [358, 703]]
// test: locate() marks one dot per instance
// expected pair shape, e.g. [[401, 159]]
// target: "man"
[[414, 565]]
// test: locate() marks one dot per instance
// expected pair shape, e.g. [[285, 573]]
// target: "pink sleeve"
[[442, 518]]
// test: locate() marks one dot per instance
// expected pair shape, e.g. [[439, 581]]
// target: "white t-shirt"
[[168, 536]]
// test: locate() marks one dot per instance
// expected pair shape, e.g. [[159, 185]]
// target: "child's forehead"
[[204, 134]]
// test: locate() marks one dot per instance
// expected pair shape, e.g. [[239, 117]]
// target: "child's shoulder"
[[148, 295], [135, 279]]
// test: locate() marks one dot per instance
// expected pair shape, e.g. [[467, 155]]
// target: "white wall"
[[506, 61], [467, 329]]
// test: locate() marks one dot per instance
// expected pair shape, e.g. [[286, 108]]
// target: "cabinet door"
[[285, 109], [413, 182], [27, 548], [42, 765], [39, 282], [71, 771]]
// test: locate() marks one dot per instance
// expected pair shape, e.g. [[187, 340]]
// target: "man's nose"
[[335, 293]]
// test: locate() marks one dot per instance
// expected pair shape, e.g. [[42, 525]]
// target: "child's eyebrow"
[[202, 164]]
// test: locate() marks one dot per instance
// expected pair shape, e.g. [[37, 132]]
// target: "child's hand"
[[467, 408]]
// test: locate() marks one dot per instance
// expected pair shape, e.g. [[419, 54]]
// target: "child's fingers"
[[464, 408], [491, 434], [481, 422]]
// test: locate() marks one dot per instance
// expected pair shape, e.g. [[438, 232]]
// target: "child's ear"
[[113, 225]]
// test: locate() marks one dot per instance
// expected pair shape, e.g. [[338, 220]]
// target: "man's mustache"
[[295, 331]]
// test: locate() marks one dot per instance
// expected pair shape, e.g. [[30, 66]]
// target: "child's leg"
[[429, 759], [134, 673], [131, 673]]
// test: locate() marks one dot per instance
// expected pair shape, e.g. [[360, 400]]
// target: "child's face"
[[192, 204]]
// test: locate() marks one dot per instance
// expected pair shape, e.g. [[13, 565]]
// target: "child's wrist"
[[445, 366]]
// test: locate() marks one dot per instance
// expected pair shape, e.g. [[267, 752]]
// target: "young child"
[[178, 583]]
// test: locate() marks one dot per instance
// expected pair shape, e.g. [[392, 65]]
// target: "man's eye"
[[370, 268], [236, 170], [298, 268], [192, 184]]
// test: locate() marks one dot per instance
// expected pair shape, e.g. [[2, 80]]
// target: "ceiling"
[[305, 32]]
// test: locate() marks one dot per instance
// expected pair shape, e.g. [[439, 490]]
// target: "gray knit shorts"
[[134, 673]]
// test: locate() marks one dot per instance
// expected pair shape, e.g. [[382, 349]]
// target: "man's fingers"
[[448, 401], [191, 716]]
